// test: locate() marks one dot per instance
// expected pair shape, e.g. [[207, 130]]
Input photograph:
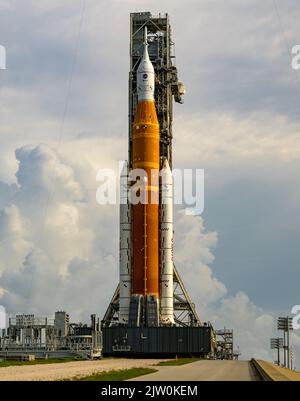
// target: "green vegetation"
[[116, 375], [178, 362], [4, 364]]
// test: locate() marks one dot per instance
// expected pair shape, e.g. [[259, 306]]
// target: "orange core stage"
[[145, 216]]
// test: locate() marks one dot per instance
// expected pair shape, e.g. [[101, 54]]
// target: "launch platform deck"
[[161, 342]]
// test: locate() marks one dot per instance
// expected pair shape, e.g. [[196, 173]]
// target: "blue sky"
[[65, 87]]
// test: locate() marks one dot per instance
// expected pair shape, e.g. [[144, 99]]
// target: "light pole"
[[285, 324], [284, 355], [277, 343]]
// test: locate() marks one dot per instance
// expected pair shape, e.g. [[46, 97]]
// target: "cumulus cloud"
[[42, 172], [252, 327], [225, 141], [193, 256], [54, 238], [14, 238]]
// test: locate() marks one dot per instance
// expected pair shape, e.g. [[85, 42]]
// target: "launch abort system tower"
[[151, 312]]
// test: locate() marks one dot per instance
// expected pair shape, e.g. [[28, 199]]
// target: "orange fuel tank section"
[[145, 217]]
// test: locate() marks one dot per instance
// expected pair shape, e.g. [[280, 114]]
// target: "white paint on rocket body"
[[125, 247], [166, 245]]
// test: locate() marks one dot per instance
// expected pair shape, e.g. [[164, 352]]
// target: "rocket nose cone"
[[166, 165], [123, 167]]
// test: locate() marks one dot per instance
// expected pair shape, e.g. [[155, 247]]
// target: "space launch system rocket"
[[146, 227]]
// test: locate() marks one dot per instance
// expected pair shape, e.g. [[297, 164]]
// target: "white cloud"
[[229, 140], [57, 244], [193, 255], [14, 238], [252, 327]]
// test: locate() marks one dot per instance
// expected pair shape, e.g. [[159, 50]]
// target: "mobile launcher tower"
[[150, 312]]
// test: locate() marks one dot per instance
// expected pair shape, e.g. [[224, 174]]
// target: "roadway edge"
[[263, 374]]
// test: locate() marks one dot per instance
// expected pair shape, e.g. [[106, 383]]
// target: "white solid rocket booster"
[[125, 247], [166, 245]]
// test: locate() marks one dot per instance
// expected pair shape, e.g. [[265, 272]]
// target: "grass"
[[116, 375], [178, 362], [4, 364]]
